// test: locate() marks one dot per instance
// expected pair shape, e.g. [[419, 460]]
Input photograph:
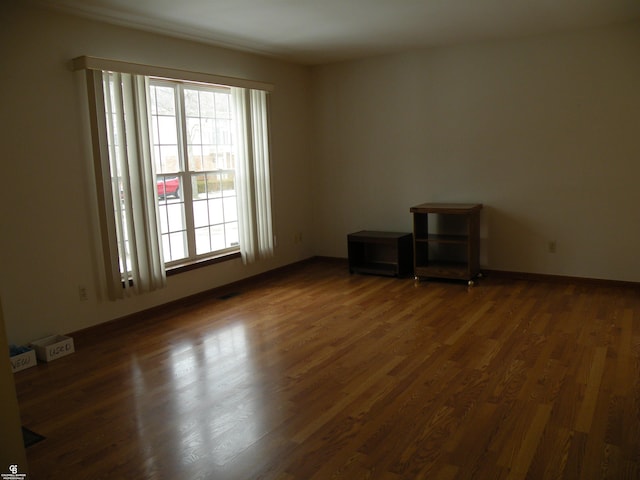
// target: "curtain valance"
[[104, 64]]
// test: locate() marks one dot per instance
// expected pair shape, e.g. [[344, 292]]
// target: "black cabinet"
[[380, 253]]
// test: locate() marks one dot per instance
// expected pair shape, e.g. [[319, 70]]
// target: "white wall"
[[545, 132], [46, 245]]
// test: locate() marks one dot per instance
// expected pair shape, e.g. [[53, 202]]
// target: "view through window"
[[191, 130]]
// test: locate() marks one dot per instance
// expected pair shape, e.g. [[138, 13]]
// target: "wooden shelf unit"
[[452, 250], [380, 253]]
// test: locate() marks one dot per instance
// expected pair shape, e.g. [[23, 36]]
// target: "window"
[[195, 166], [182, 171]]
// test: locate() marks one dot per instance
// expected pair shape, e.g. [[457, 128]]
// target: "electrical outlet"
[[552, 246], [82, 293]]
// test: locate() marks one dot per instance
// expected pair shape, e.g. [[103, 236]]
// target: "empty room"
[[314, 240]]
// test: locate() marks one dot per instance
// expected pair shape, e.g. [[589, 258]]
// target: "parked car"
[[168, 187]]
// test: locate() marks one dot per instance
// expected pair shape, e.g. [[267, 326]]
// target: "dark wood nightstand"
[[450, 248]]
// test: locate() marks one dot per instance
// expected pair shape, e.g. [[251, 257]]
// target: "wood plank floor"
[[317, 374]]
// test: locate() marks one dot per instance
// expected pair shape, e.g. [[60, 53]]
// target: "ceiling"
[[322, 31]]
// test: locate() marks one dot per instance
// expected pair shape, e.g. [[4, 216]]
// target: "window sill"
[[174, 270]]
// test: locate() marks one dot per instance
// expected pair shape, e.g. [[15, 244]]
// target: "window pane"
[[162, 100], [168, 186], [212, 184], [203, 242], [208, 131], [178, 245], [199, 186], [228, 183], [164, 219], [209, 157], [167, 131], [175, 213], [168, 160], [223, 132], [208, 126], [230, 209], [191, 103], [164, 127], [207, 104], [194, 136], [166, 248], [217, 237], [174, 246], [195, 158], [232, 234], [223, 107], [224, 158], [200, 214], [215, 211]]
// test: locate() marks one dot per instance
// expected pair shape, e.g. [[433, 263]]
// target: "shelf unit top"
[[447, 208], [443, 238], [376, 235]]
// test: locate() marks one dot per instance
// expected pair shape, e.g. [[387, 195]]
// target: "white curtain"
[[132, 239], [253, 182]]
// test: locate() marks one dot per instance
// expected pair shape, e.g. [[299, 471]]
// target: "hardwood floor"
[[318, 374]]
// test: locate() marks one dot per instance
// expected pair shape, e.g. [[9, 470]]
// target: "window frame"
[[186, 174]]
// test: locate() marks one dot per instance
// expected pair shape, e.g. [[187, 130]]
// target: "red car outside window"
[[168, 187]]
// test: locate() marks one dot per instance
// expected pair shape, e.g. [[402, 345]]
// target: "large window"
[[182, 171], [195, 165]]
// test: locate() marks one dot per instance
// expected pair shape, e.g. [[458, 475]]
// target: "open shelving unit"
[[380, 253], [446, 241]]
